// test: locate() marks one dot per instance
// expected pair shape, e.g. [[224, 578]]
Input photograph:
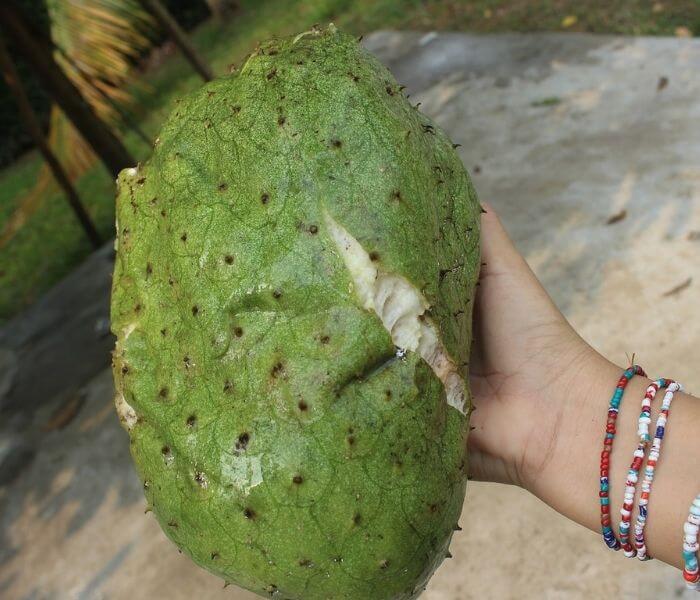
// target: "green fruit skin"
[[281, 443]]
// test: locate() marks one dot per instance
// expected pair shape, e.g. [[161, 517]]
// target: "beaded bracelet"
[[633, 472], [639, 541], [610, 430], [691, 572]]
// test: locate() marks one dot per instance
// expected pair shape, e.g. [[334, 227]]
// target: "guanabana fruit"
[[292, 296]]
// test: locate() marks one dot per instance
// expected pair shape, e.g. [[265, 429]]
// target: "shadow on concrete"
[[61, 341], [76, 474]]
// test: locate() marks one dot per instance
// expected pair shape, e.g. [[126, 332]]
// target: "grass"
[[50, 244]]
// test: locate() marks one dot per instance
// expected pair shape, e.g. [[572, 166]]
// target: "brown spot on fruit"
[[228, 386], [249, 513], [313, 229], [277, 294], [149, 269], [223, 186], [228, 259], [357, 518], [336, 143], [264, 198], [277, 370], [195, 310], [238, 331], [384, 564], [191, 421], [281, 120], [163, 393], [242, 442], [374, 256], [183, 237], [298, 479], [303, 406], [325, 339]]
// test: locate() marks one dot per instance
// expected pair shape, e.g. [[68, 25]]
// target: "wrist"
[[569, 482], [575, 418]]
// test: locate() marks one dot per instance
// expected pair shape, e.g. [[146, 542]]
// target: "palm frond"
[[98, 42]]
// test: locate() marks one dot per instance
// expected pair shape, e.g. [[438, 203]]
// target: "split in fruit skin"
[[401, 309]]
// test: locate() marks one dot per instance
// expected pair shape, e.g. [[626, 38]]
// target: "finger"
[[498, 252], [500, 257]]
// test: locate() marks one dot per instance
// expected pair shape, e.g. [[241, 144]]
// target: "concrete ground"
[[589, 148]]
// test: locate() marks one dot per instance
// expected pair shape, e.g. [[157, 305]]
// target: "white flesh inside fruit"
[[401, 309]]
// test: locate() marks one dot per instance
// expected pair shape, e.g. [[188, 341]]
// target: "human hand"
[[541, 396], [525, 367]]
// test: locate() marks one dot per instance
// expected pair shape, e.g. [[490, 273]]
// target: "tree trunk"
[[38, 55], [170, 25], [34, 127]]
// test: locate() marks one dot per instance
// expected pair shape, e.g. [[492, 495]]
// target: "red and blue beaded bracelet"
[[610, 430]]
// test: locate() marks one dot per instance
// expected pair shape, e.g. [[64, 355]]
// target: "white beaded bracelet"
[[691, 571]]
